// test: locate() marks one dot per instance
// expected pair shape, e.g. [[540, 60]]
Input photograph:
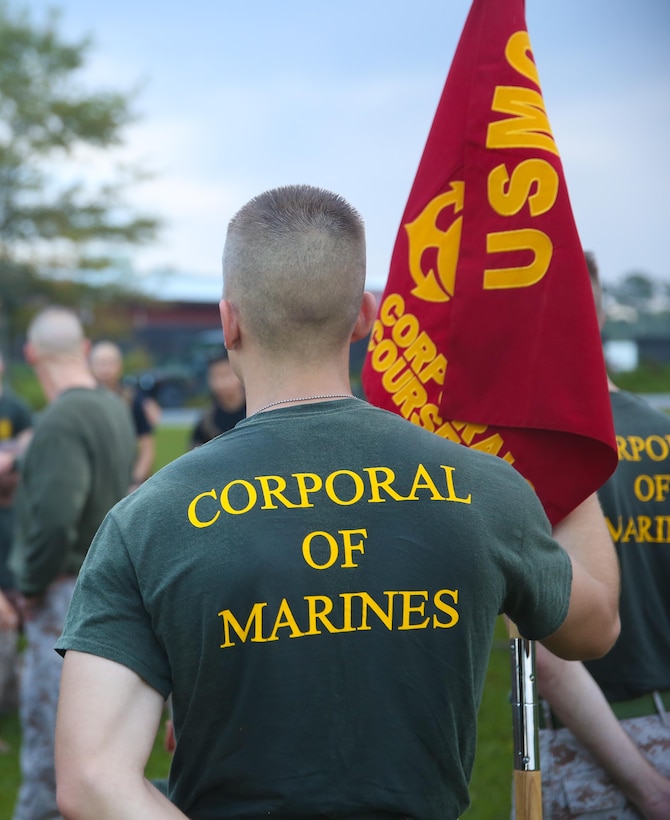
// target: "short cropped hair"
[[592, 266], [294, 265], [594, 274], [56, 332]]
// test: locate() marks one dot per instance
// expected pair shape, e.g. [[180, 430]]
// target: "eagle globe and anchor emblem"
[[437, 283]]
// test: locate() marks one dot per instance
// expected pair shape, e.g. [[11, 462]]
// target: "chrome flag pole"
[[527, 774]]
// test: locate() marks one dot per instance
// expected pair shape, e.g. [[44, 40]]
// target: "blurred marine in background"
[[227, 406], [605, 750], [77, 466]]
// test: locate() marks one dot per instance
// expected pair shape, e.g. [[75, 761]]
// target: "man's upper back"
[[76, 468], [636, 503], [322, 584]]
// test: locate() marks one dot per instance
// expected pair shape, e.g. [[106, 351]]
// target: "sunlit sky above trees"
[[239, 97]]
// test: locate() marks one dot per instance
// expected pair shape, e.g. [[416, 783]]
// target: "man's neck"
[[56, 380], [266, 383]]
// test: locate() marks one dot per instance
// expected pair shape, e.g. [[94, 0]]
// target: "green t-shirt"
[[636, 503], [77, 466], [318, 589]]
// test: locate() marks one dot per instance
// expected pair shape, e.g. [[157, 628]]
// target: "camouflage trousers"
[[9, 670], [574, 785], [40, 683]]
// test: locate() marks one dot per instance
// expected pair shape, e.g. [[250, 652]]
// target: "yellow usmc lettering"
[[534, 181]]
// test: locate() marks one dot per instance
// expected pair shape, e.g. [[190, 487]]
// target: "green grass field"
[[491, 782]]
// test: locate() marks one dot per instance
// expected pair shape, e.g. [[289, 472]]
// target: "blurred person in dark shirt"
[[228, 401], [107, 366]]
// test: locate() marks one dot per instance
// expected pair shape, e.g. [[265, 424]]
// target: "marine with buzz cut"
[[317, 588]]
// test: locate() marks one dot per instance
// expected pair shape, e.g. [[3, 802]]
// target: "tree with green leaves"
[[53, 222]]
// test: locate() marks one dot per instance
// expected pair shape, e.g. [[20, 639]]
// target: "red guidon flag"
[[486, 332]]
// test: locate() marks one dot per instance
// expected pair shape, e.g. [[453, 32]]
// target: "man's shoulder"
[[83, 412], [83, 401], [384, 420], [631, 408]]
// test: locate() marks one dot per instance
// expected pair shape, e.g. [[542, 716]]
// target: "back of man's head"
[[594, 275], [56, 333], [294, 266]]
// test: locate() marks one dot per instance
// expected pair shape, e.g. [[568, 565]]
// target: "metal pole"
[[527, 774]]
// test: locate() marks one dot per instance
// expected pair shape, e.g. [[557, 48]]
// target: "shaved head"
[[294, 266], [56, 332]]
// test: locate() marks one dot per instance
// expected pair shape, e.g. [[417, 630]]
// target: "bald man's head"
[[56, 333]]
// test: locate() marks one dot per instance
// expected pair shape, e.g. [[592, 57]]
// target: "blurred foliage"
[[637, 306], [636, 288], [23, 381], [52, 223]]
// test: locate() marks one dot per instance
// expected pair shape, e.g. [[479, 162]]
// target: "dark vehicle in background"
[[170, 386], [176, 383]]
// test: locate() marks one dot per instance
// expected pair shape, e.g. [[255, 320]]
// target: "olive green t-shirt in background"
[[77, 466], [636, 504]]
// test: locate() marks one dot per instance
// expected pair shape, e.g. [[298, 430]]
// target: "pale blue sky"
[[239, 97]]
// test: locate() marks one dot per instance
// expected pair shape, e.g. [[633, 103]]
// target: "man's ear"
[[366, 317], [230, 324]]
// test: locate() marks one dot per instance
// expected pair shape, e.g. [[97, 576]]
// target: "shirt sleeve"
[[143, 426], [538, 590], [57, 476]]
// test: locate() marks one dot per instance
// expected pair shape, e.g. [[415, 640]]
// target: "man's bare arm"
[[107, 723], [592, 624], [146, 453]]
